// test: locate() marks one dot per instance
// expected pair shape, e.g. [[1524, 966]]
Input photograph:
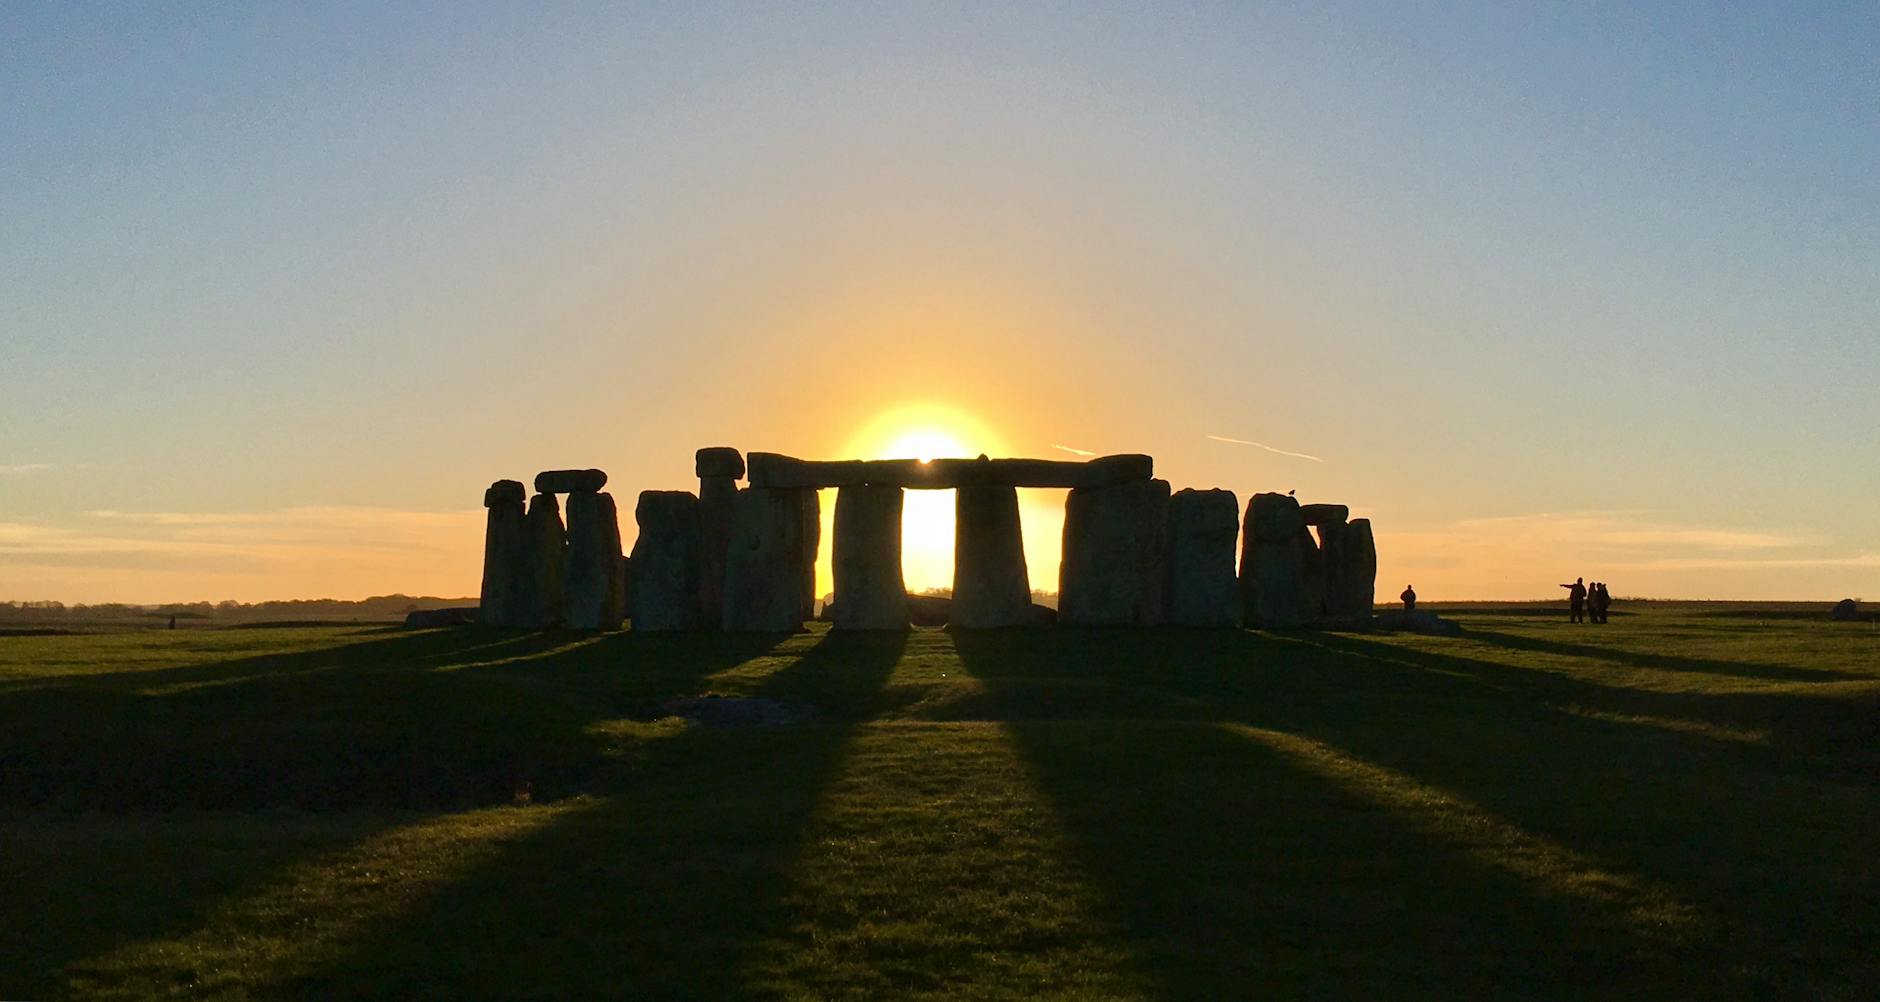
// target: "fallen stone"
[[1115, 545], [665, 562], [504, 492], [930, 610], [1275, 561], [870, 594], [764, 573], [1846, 611], [427, 619], [569, 481], [1350, 556], [1324, 514], [1203, 527], [712, 710], [1417, 622], [718, 461], [505, 567], [544, 546], [593, 585], [991, 587]]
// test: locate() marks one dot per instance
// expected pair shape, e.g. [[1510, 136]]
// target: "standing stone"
[[715, 494], [991, 587], [665, 561], [764, 561], [1275, 563], [593, 584], [1203, 527], [502, 555], [870, 593], [544, 546], [1312, 582], [812, 541], [1350, 570], [1115, 542]]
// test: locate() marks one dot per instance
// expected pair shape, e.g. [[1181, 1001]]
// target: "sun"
[[924, 432]]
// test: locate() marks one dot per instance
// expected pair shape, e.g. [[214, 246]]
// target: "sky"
[[1544, 290]]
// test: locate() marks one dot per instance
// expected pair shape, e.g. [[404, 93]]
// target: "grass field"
[[1671, 805]]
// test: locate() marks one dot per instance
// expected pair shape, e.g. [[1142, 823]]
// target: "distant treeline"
[[388, 607]]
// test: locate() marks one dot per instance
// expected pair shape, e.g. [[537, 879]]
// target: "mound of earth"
[[712, 710]]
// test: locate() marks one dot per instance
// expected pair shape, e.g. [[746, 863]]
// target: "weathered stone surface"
[[1203, 527], [569, 481], [1115, 542], [594, 588], [504, 566], [1276, 558], [930, 610], [718, 461], [768, 469], [812, 543], [764, 590], [715, 494], [1350, 556], [504, 492], [544, 546], [1324, 514], [870, 594], [665, 562], [1418, 622], [991, 587]]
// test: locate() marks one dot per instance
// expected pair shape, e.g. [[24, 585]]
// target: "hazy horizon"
[[1544, 292]]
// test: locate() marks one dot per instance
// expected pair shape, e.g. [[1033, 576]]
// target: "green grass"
[[1672, 805]]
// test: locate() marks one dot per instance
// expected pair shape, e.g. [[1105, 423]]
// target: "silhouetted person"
[[1576, 599], [1599, 601], [1409, 597], [172, 622]]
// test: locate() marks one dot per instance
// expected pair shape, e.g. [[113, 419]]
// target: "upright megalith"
[[991, 587], [594, 586], [544, 546], [665, 561], [1202, 529], [764, 573], [570, 481], [870, 594], [718, 470], [1277, 564], [810, 505], [1115, 542], [1350, 555], [503, 566]]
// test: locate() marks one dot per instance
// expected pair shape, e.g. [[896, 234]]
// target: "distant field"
[[1681, 803]]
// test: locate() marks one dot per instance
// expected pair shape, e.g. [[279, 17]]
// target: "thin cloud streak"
[[1262, 445], [12, 468], [1074, 452]]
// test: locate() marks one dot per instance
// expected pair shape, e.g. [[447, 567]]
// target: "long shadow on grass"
[[425, 721], [1160, 807], [1665, 662], [663, 888]]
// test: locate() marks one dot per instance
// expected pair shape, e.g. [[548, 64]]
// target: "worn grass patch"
[[1672, 805]]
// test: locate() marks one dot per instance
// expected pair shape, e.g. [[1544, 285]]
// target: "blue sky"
[[1504, 268]]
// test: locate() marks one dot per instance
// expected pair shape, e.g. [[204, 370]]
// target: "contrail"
[[1074, 452], [1262, 445]]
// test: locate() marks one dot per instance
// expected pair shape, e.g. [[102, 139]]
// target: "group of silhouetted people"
[[1588, 603]]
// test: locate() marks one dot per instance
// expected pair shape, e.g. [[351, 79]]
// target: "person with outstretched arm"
[[1576, 599]]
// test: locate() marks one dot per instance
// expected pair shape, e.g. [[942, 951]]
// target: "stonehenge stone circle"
[[1202, 529], [543, 544], [1115, 542], [764, 561], [503, 555], [991, 587], [744, 559], [1350, 556], [870, 593], [595, 591], [1275, 565], [569, 481], [666, 561]]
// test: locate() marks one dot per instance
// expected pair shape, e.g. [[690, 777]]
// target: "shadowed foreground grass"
[[1667, 806]]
